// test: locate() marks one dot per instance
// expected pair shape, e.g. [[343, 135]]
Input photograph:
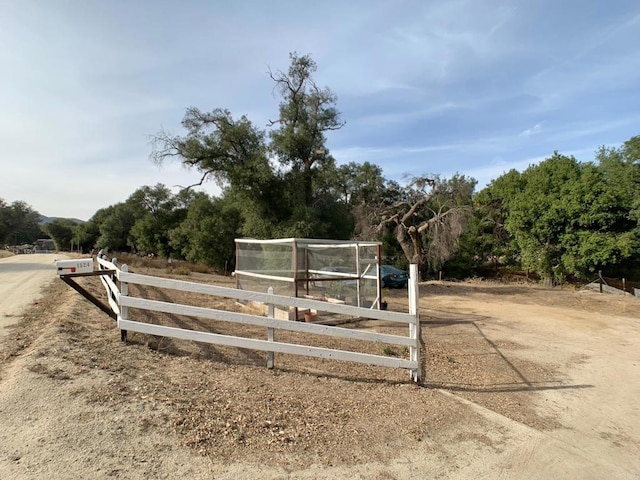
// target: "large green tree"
[[492, 241], [543, 212], [276, 185], [358, 183], [306, 113], [5, 221], [158, 212], [62, 232], [19, 223], [563, 217], [115, 227], [208, 232], [88, 234], [230, 151], [234, 154]]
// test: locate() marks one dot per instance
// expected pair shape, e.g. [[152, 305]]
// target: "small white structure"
[[80, 265], [333, 270]]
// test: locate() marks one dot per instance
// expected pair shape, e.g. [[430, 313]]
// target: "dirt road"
[[21, 278], [522, 382], [590, 342]]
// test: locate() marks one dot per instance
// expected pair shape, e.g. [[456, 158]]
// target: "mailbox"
[[80, 265]]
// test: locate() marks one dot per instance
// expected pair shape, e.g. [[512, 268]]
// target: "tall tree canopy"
[[306, 113], [542, 212], [563, 217], [273, 199], [19, 223], [61, 231], [208, 232], [493, 242]]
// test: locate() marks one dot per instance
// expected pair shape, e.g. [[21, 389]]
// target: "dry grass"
[[224, 403]]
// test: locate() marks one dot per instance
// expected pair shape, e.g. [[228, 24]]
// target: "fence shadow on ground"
[[452, 337], [461, 289], [504, 388], [240, 356]]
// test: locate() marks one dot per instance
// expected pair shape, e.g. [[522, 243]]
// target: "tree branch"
[[204, 177]]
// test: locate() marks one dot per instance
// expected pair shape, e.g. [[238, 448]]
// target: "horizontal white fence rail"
[[266, 298], [120, 302], [113, 293], [255, 320]]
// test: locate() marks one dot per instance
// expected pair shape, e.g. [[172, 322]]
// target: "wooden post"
[[270, 336], [124, 311], [624, 285], [237, 263], [294, 260], [306, 270], [414, 327], [601, 279]]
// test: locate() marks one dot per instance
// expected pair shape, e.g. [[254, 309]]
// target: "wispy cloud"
[[424, 86], [593, 128], [537, 128], [402, 115]]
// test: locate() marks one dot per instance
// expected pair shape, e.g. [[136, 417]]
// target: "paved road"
[[21, 280]]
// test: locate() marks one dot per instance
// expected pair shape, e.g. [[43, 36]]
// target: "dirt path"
[[21, 278], [522, 382], [590, 340]]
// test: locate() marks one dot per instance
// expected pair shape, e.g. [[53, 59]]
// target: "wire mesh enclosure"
[[332, 270]]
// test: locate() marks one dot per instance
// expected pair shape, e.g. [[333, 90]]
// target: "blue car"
[[393, 277]]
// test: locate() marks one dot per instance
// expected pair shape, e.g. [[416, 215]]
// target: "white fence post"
[[414, 327], [270, 335], [124, 311]]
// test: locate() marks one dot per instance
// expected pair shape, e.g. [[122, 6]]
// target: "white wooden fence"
[[120, 302]]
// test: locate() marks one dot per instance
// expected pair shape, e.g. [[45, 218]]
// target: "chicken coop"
[[333, 270]]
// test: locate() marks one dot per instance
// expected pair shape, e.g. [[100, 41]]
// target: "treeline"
[[19, 223], [562, 218], [559, 219]]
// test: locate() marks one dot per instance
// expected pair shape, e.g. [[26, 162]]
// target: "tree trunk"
[[411, 249], [308, 185]]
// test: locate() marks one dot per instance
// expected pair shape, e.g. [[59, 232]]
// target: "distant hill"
[[45, 220]]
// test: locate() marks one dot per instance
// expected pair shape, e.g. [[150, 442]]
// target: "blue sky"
[[471, 86]]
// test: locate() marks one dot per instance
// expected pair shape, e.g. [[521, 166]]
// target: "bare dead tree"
[[428, 217]]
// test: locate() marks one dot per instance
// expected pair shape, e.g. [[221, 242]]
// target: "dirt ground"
[[521, 382]]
